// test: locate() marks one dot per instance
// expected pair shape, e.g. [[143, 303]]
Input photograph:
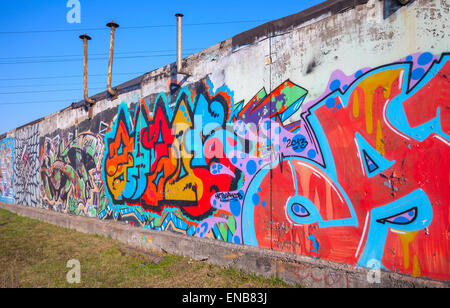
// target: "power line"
[[68, 76], [36, 102], [99, 54], [90, 59], [48, 91], [49, 85], [132, 27]]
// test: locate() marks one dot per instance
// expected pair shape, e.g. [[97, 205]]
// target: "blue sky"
[[41, 72]]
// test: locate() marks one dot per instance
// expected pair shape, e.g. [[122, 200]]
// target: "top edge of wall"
[[324, 9]]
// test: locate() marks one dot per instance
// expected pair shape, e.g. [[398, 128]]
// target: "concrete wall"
[[324, 134]]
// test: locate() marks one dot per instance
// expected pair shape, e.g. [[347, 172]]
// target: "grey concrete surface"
[[293, 269]]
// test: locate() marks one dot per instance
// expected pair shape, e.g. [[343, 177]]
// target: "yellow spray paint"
[[380, 141], [416, 267], [382, 80], [369, 114], [355, 103], [406, 239], [176, 187]]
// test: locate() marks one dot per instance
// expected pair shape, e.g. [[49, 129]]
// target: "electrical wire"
[[48, 91], [47, 85], [69, 76], [37, 102], [52, 58], [100, 54], [90, 59], [133, 27]]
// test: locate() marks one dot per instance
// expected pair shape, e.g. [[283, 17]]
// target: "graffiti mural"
[[371, 193], [6, 170], [151, 164], [353, 181], [359, 175], [71, 174], [26, 166]]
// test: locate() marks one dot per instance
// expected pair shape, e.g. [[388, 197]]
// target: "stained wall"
[[324, 134]]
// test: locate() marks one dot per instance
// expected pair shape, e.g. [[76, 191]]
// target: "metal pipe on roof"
[[180, 44], [113, 27], [89, 100]]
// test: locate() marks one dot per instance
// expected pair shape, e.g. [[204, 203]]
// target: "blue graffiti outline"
[[395, 112], [248, 230], [379, 227], [381, 163], [8, 142]]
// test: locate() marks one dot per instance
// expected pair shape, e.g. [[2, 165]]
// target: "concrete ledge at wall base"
[[293, 269]]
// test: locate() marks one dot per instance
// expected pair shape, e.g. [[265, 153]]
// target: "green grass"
[[35, 254]]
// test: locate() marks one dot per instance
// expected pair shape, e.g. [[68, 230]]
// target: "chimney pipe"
[[180, 44], [113, 27], [89, 100]]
